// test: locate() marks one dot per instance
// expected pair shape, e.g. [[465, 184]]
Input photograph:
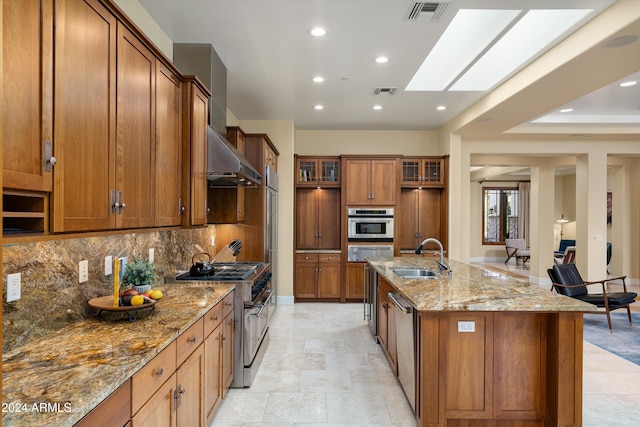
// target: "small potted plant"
[[140, 274]]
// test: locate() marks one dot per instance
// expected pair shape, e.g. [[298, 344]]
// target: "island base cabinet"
[[499, 369]]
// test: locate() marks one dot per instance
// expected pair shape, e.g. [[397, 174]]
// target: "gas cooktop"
[[224, 271]]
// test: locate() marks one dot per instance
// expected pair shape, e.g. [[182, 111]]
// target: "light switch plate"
[[83, 271], [108, 265], [13, 287], [151, 255]]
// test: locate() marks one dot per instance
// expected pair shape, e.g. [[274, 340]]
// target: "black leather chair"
[[567, 281]]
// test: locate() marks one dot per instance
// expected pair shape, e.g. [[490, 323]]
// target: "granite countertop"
[[57, 380], [471, 288]]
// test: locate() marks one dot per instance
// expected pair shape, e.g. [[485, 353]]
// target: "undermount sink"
[[416, 273]]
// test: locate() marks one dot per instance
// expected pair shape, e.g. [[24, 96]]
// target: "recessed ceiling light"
[[317, 31], [566, 110], [382, 59], [628, 84], [441, 108], [377, 107], [318, 107], [318, 79]]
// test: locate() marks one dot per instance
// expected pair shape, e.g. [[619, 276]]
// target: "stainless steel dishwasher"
[[405, 334]]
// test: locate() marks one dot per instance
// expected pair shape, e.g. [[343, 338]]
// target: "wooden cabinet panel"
[[354, 286], [194, 128], [135, 126], [317, 276], [85, 119], [189, 340], [318, 171], [27, 93], [306, 277], [387, 324], [423, 172], [115, 410], [160, 410], [168, 154], [228, 326], [190, 387], [329, 276], [419, 216], [213, 372], [371, 182], [317, 218], [152, 376]]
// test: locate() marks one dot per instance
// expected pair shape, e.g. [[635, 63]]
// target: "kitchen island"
[[57, 380], [490, 350]]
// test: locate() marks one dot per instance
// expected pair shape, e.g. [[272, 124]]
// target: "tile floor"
[[322, 368]]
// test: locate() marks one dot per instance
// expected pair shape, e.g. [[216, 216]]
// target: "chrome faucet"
[[443, 265]]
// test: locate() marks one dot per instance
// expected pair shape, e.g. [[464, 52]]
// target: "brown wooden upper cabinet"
[[85, 121], [419, 216], [195, 111], [27, 94], [168, 198], [370, 181], [422, 172], [318, 171]]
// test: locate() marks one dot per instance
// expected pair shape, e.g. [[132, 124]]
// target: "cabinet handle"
[[215, 318], [159, 372], [180, 206], [306, 257], [192, 340]]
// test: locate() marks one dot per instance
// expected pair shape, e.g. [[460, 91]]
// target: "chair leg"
[[629, 314], [609, 320]]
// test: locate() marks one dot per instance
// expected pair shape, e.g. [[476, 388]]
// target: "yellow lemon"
[[137, 300], [156, 294]]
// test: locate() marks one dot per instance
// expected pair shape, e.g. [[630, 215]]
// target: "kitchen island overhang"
[[490, 348]]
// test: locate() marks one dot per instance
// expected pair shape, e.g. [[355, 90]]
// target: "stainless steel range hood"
[[226, 168]]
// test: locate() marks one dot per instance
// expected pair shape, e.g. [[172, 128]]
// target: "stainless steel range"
[[254, 306]]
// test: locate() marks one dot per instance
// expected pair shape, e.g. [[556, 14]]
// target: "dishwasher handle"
[[405, 309]]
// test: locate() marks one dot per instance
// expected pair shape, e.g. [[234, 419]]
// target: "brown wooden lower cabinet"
[[114, 411], [317, 276], [514, 369], [355, 281], [387, 324]]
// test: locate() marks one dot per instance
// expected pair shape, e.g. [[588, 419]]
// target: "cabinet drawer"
[[329, 257], [307, 258], [213, 318], [189, 340], [115, 410], [148, 379], [227, 304]]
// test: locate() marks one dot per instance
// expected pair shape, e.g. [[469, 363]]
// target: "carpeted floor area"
[[625, 339]]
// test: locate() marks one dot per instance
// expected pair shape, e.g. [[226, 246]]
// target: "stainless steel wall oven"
[[370, 224]]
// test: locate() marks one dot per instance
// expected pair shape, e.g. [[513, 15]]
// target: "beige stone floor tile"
[[358, 406], [296, 407]]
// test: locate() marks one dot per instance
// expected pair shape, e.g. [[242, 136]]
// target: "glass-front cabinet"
[[423, 172], [315, 171]]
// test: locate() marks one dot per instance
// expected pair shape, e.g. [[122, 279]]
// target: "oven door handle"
[[262, 306], [263, 303]]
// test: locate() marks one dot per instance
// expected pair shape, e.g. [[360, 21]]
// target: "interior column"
[[541, 221], [591, 215], [459, 200]]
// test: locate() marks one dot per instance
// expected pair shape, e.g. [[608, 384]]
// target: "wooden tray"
[[106, 304]]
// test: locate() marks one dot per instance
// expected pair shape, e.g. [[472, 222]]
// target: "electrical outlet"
[[83, 271], [466, 326], [108, 265], [213, 241], [13, 287], [151, 255]]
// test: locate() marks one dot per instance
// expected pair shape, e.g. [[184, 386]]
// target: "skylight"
[[475, 53]]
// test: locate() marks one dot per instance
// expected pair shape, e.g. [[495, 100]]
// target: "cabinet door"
[[429, 213], [383, 316], [135, 122], [355, 281], [307, 218], [198, 157], [27, 89], [160, 410], [328, 218], [358, 183], [306, 278], [168, 171], [227, 352], [212, 372], [190, 411], [329, 280], [409, 237], [85, 119], [384, 175]]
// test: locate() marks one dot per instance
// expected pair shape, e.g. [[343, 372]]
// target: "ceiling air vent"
[[385, 90], [427, 11]]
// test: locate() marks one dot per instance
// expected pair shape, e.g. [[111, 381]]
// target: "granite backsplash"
[[52, 298]]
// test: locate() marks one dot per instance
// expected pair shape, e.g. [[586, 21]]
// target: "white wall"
[[335, 142]]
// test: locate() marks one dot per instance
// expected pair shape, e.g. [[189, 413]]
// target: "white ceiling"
[[270, 60]]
